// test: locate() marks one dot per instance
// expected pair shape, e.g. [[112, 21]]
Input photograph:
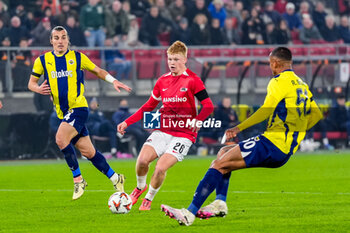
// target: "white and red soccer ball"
[[120, 203]]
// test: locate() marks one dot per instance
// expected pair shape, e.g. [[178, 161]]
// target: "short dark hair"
[[282, 53]]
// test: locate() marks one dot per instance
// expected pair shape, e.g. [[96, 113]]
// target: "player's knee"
[[160, 171], [61, 142], [142, 162]]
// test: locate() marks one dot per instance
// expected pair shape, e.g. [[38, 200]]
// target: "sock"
[[151, 193], [71, 159], [114, 178], [141, 181], [222, 187], [325, 141], [204, 189], [101, 164]]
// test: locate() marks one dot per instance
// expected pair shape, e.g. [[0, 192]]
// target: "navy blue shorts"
[[260, 152], [77, 118]]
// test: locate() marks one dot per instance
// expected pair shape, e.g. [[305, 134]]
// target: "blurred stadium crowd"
[[160, 22]]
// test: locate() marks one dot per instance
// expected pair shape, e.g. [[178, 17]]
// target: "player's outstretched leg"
[[218, 208], [71, 159], [204, 189], [101, 164], [86, 148]]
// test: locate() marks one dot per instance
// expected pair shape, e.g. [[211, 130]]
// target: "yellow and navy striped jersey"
[[287, 125], [65, 76]]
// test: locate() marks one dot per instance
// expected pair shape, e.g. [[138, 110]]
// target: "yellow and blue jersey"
[[287, 125], [65, 76]]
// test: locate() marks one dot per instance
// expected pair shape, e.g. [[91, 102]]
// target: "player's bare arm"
[[43, 89], [104, 75]]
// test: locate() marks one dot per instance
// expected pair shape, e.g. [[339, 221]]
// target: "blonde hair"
[[178, 47]]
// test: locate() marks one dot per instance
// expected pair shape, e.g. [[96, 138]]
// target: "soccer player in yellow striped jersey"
[[64, 81], [291, 110]]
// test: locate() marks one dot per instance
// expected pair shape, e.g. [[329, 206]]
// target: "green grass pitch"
[[311, 193]]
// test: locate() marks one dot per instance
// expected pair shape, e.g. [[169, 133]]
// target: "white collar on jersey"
[[184, 73]]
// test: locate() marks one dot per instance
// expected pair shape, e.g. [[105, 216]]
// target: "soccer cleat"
[[217, 208], [119, 185], [79, 189], [183, 216], [146, 204], [136, 194]]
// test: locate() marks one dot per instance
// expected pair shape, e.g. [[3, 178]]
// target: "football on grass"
[[120, 203]]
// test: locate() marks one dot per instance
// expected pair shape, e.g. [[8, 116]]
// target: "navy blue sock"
[[221, 189], [71, 159], [101, 164], [204, 189]]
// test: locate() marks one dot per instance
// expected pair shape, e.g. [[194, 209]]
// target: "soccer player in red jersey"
[[179, 90]]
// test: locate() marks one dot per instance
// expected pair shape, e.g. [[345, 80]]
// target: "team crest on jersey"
[[71, 62], [183, 89]]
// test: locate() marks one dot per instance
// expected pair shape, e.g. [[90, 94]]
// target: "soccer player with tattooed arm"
[[64, 81], [291, 110], [179, 91]]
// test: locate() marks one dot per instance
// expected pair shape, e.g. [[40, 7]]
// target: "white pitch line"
[[175, 191]]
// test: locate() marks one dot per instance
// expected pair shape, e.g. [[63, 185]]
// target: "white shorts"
[[166, 143]]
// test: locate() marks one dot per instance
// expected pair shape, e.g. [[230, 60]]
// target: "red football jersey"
[[177, 94]]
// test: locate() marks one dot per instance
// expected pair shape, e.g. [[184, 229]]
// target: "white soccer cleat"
[[183, 216], [79, 189], [217, 208], [119, 183]]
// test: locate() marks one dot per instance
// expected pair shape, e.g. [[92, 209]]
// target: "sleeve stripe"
[[202, 95], [156, 98], [36, 75]]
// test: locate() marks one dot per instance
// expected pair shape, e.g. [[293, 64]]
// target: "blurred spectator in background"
[[135, 129], [165, 14], [280, 6], [177, 10], [309, 31], [232, 34], [139, 8], [271, 34], [65, 13], [17, 31], [217, 36], [48, 14], [150, 27], [133, 34], [232, 12], [226, 115], [22, 66], [292, 17], [41, 33], [319, 15], [30, 22], [3, 62], [200, 31], [339, 116], [253, 29], [4, 15], [218, 11], [117, 23], [270, 15], [76, 35], [126, 8], [304, 10], [283, 34], [92, 22], [344, 31], [3, 31], [198, 8], [0, 104], [53, 5], [330, 32], [98, 125], [181, 32], [22, 14], [115, 61]]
